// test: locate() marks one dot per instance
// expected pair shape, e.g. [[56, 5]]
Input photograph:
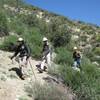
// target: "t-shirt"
[[22, 50], [76, 55], [46, 49]]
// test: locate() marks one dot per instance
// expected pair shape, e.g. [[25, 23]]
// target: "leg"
[[20, 62], [21, 66], [24, 67], [79, 63], [43, 64], [48, 57], [75, 64]]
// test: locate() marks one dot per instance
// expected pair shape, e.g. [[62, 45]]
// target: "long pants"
[[23, 64], [77, 63], [46, 60]]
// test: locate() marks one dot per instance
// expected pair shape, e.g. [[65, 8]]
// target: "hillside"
[[13, 88], [87, 36], [32, 23]]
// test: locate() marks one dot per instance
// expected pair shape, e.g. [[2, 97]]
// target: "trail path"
[[11, 86]]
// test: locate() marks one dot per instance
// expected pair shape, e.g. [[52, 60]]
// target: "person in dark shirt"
[[46, 55], [76, 57], [23, 53], [45, 49]]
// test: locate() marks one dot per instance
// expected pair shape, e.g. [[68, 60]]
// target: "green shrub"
[[12, 2], [3, 24], [90, 54], [97, 51], [60, 39], [30, 20], [23, 98], [46, 92], [34, 43], [85, 83], [34, 40], [63, 56], [17, 26], [83, 38], [98, 37], [8, 42]]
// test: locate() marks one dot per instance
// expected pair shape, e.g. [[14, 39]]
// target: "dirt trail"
[[11, 86]]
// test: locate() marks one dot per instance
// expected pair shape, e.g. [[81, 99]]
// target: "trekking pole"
[[33, 90]]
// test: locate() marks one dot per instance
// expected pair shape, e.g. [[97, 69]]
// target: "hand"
[[11, 57]]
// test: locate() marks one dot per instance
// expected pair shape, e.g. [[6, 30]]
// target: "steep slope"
[[12, 87], [33, 24], [86, 36]]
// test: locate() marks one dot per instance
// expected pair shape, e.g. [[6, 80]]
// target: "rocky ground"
[[12, 87]]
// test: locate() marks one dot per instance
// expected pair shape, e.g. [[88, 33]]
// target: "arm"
[[46, 50], [28, 51], [79, 54], [16, 53]]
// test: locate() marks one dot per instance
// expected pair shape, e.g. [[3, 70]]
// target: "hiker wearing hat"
[[23, 53], [46, 55], [76, 57]]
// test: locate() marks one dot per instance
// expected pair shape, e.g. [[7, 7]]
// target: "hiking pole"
[[34, 91], [32, 70]]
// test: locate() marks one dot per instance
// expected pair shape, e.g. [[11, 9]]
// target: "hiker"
[[46, 55], [77, 58], [23, 53]]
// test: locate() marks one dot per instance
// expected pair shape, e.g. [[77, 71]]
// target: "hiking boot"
[[45, 68], [23, 77], [40, 70], [38, 66]]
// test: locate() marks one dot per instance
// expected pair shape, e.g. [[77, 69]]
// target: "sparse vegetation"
[[97, 51], [3, 78], [3, 24], [59, 31], [63, 56], [9, 43], [85, 83], [98, 38], [22, 98], [47, 92]]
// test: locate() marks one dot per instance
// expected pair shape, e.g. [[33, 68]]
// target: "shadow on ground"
[[50, 79], [18, 72]]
